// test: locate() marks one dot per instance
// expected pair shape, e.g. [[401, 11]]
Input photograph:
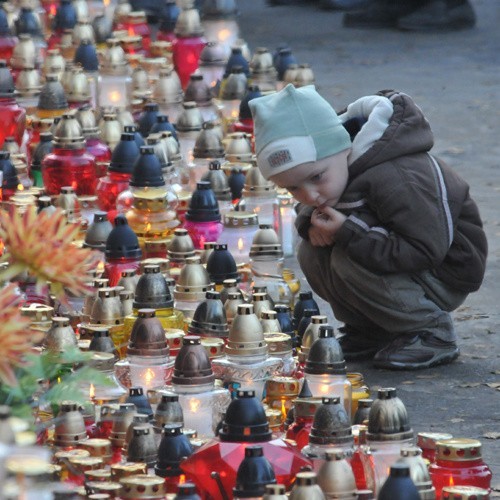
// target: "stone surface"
[[454, 77]]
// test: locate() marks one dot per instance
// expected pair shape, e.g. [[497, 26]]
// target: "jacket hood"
[[393, 126]]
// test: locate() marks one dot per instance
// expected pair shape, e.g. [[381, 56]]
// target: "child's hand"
[[325, 224]]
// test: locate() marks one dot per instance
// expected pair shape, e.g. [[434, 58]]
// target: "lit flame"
[[115, 96], [2, 247], [74, 185], [240, 244], [182, 479], [324, 388], [194, 405], [106, 3], [20, 187], [224, 34], [131, 31], [283, 409], [149, 376], [148, 227], [235, 113], [451, 482], [53, 9], [100, 266], [92, 392]]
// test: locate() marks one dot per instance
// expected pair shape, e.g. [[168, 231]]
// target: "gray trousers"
[[390, 304]]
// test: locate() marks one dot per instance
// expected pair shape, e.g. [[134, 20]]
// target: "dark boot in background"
[[380, 14], [440, 15]]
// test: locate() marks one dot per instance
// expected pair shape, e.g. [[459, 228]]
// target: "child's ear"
[[353, 125]]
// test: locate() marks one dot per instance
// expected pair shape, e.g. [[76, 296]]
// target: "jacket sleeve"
[[303, 220], [412, 230]]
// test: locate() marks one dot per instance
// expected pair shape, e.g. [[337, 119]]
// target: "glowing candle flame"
[[240, 244], [224, 34], [149, 376], [100, 267], [115, 96], [131, 31], [20, 187], [194, 405], [452, 483], [91, 392], [182, 479], [283, 409]]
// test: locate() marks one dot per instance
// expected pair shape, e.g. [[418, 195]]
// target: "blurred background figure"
[[413, 15]]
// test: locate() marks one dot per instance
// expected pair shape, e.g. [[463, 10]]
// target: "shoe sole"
[[442, 359]]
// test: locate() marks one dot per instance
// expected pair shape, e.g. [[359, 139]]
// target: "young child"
[[390, 236]]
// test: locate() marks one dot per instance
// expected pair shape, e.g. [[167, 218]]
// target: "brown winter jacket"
[[407, 211]]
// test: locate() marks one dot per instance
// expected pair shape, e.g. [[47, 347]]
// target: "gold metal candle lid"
[[266, 243], [190, 119], [143, 486], [306, 407], [240, 219], [114, 60], [98, 475], [127, 469], [68, 133], [464, 493], [64, 455], [214, 347], [458, 449], [103, 487], [28, 82], [79, 89], [273, 417], [38, 312], [262, 62], [188, 23], [428, 440], [24, 54], [239, 147], [256, 184], [97, 447], [86, 463], [282, 387], [278, 343]]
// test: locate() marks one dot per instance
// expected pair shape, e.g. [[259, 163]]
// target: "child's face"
[[317, 184]]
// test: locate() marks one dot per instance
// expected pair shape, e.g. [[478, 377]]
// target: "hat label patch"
[[279, 158]]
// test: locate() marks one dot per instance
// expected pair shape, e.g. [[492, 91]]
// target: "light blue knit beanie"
[[295, 126]]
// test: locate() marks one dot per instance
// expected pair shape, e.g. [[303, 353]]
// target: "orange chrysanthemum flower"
[[42, 245], [14, 334]]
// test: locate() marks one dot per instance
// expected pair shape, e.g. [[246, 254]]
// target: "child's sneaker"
[[414, 352], [357, 345]]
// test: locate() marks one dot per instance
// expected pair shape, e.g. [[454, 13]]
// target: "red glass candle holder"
[[69, 167], [113, 268], [7, 44], [201, 232], [426, 441], [101, 152], [459, 463], [12, 116], [186, 56], [108, 189], [135, 24]]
